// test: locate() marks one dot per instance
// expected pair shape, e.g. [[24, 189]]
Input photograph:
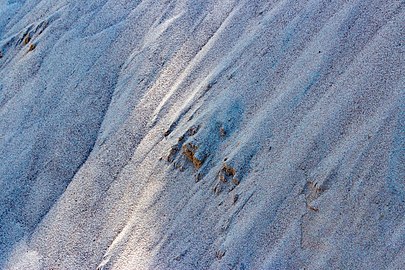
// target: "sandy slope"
[[202, 134]]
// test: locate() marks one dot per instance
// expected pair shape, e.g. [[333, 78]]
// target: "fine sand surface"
[[202, 134]]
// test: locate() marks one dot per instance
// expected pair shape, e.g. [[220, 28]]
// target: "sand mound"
[[202, 134]]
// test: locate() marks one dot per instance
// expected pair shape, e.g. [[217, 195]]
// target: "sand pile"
[[202, 134]]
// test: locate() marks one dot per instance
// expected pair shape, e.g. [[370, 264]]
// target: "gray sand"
[[202, 134]]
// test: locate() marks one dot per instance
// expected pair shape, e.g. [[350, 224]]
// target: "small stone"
[[198, 177], [173, 151], [235, 198], [217, 189], [219, 254], [27, 39], [32, 47], [222, 177], [193, 130]]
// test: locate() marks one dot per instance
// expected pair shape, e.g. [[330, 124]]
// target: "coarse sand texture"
[[202, 134]]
